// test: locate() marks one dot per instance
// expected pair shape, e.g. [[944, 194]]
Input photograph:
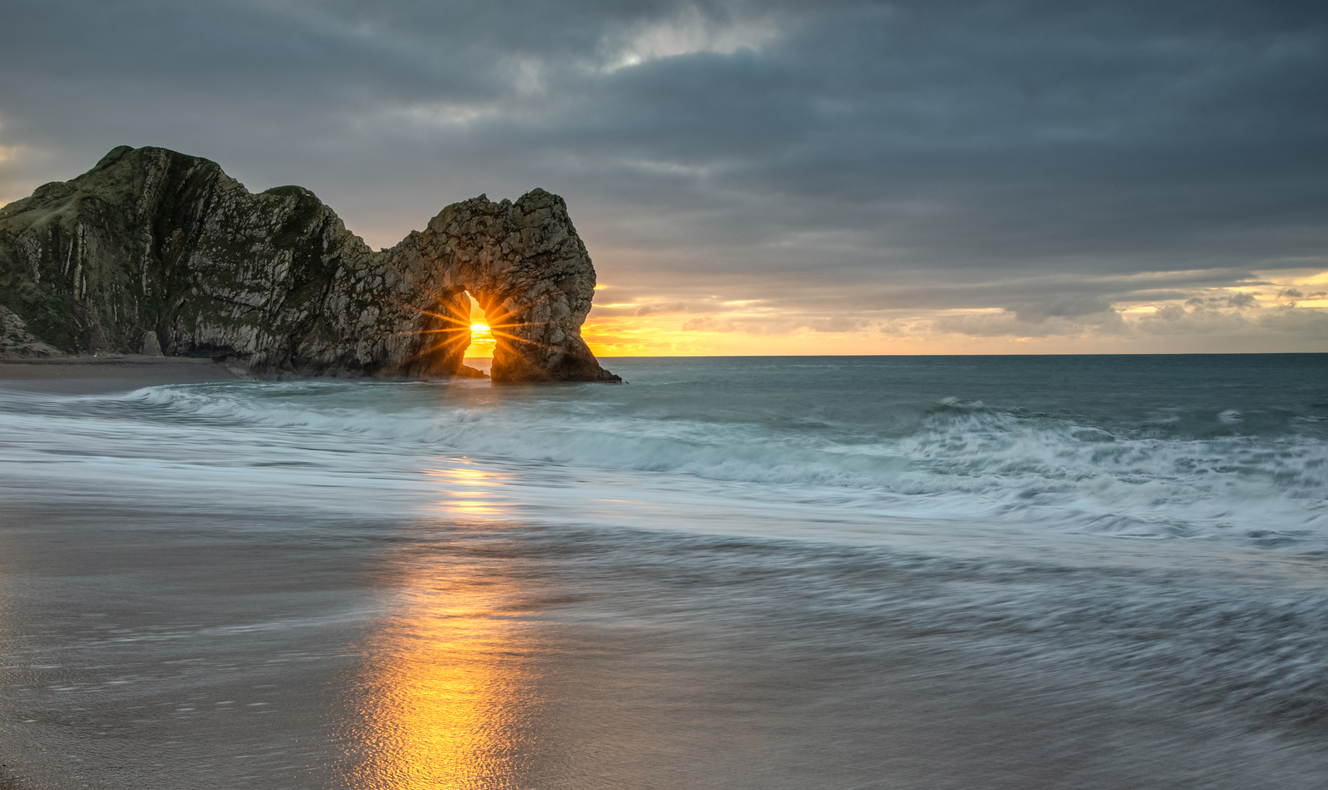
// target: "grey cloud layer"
[[998, 154]]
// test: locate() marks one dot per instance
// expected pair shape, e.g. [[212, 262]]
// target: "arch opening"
[[507, 339], [458, 337], [443, 336], [482, 340]]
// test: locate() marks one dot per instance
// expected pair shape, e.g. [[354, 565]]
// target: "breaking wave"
[[1001, 465]]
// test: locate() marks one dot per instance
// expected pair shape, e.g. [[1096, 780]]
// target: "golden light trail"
[[453, 688], [470, 492]]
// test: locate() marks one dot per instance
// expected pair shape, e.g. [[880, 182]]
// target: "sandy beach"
[[90, 375], [731, 574]]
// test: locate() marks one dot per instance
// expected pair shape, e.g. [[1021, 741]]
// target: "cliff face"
[[152, 244]]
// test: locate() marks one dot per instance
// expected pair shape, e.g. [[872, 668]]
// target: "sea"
[[760, 572]]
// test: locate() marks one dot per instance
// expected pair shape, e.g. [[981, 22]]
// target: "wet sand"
[[237, 648], [104, 374]]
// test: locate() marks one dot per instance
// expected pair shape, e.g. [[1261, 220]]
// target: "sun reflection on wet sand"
[[449, 694], [471, 491]]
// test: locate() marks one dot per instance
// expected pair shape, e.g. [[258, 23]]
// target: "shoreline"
[[107, 373]]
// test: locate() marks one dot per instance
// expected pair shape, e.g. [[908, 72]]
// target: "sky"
[[762, 178]]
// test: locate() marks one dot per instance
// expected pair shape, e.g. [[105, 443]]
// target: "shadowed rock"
[[151, 345], [152, 241]]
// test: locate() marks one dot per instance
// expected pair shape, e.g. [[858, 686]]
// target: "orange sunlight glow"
[[453, 683], [714, 325], [452, 328], [672, 324], [481, 336]]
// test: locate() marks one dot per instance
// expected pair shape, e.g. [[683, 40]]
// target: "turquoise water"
[[886, 571]]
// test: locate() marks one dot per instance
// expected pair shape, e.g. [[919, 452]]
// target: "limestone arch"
[[529, 271]]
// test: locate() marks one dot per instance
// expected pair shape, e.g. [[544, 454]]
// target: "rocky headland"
[[156, 252]]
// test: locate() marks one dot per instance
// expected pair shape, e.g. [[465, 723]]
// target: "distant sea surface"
[[811, 572]]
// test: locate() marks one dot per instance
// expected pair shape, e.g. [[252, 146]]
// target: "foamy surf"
[[1167, 469]]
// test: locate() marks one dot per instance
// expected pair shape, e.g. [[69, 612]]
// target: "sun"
[[482, 344]]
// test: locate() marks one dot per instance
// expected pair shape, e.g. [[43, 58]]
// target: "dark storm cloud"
[[1032, 156]]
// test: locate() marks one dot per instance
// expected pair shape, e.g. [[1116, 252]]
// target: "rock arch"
[[525, 265], [151, 241]]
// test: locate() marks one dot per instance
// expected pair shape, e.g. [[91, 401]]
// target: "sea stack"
[[151, 243]]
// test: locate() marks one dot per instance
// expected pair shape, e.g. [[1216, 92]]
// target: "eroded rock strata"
[[155, 244]]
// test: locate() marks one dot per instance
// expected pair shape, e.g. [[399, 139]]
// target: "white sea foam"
[[953, 458], [986, 463]]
